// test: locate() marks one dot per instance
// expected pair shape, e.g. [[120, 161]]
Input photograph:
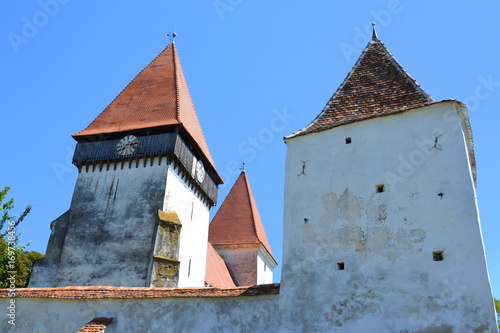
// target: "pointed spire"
[[157, 97], [374, 33], [376, 86], [238, 220]]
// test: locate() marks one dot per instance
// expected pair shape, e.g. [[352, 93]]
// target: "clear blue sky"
[[244, 61]]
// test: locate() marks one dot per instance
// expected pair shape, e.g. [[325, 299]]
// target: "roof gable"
[[238, 220], [376, 86], [157, 97]]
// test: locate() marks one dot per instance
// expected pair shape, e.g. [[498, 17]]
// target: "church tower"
[[140, 209], [381, 225]]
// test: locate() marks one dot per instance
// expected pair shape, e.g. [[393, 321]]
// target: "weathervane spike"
[[374, 34], [172, 37], [242, 168]]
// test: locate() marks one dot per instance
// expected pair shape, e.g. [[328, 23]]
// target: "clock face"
[[127, 145], [200, 171]]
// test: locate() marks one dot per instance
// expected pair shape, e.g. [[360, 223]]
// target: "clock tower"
[[140, 209]]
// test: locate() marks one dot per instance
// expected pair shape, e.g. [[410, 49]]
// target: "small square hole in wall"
[[348, 140], [340, 266], [380, 188], [438, 255]]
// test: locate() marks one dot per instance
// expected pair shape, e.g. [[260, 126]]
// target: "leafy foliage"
[[497, 307], [15, 262]]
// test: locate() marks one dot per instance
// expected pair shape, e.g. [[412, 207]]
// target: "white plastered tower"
[[381, 226]]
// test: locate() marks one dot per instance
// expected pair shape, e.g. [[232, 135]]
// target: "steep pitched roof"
[[157, 97], [238, 220], [376, 86], [217, 275]]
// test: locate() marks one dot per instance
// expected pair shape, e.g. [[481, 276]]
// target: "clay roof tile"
[[376, 86], [238, 220], [217, 274], [96, 325], [157, 97]]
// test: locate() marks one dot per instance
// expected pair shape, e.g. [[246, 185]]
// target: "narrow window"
[[348, 140], [340, 266], [438, 255], [380, 188], [189, 268]]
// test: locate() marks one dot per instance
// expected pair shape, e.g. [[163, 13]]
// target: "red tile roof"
[[97, 325], [238, 220], [217, 274], [376, 86], [157, 97], [104, 292]]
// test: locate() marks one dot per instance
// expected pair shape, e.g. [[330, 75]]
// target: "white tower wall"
[[194, 216], [362, 261]]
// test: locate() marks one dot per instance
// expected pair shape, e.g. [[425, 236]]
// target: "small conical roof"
[[376, 86], [157, 97], [238, 220]]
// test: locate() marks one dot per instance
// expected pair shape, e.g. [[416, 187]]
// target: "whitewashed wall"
[[110, 228], [334, 215], [242, 314], [264, 269], [194, 216]]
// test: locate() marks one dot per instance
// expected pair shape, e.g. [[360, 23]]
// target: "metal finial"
[[374, 34], [242, 168], [172, 37]]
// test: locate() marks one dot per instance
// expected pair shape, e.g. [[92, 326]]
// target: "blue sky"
[[257, 71]]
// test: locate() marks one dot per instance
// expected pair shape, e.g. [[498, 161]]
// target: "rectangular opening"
[[438, 255], [380, 188], [340, 266], [348, 140]]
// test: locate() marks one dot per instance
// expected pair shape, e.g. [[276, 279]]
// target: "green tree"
[[497, 307], [16, 263]]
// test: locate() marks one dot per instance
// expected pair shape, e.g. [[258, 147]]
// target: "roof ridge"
[[238, 220], [254, 209], [230, 196], [121, 91], [157, 97], [178, 106], [376, 85], [252, 204], [403, 71], [176, 83], [325, 108]]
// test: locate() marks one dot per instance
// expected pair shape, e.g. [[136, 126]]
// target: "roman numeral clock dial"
[[127, 145]]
